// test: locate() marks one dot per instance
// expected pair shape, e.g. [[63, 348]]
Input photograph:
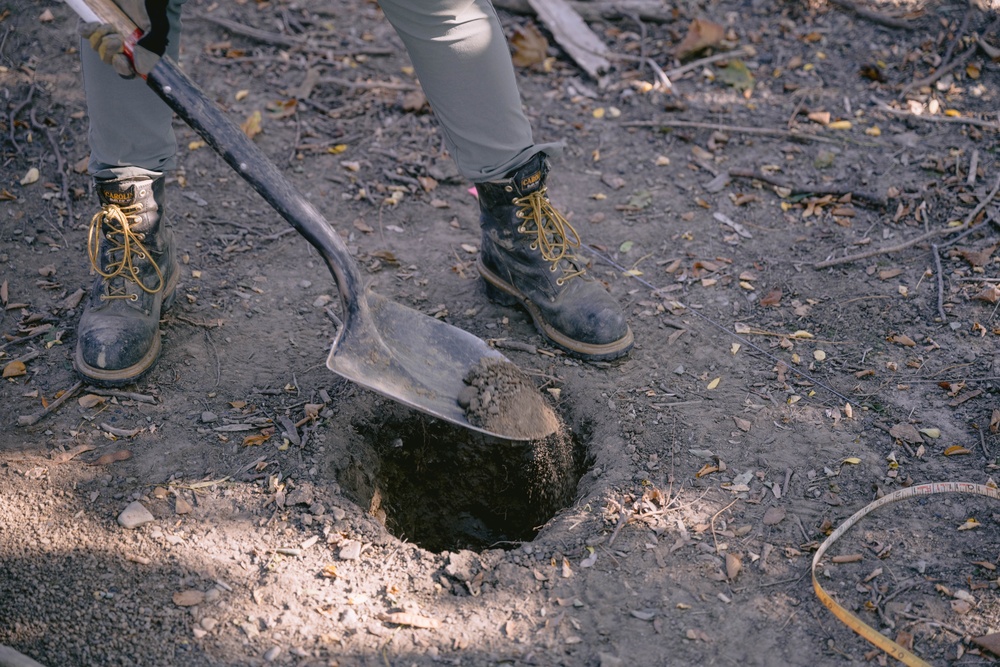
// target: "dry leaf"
[[329, 571], [70, 454], [14, 369], [888, 274], [821, 117], [412, 620], [3, 293], [995, 421], [990, 293], [529, 45], [906, 432], [414, 101], [772, 298], [774, 515], [252, 125], [188, 598], [902, 339], [733, 566], [701, 35], [90, 400], [714, 383], [112, 457], [706, 469], [742, 424], [31, 176], [182, 506], [956, 450]]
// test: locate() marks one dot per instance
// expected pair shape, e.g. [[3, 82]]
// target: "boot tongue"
[[117, 193]]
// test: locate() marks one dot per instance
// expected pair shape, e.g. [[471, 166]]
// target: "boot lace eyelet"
[[509, 188], [553, 270], [522, 229], [533, 246], [560, 282], [133, 297]]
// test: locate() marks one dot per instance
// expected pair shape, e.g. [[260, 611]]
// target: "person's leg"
[[130, 247], [463, 62]]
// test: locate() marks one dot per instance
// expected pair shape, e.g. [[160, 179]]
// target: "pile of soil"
[[501, 398]]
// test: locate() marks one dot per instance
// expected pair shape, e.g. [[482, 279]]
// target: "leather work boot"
[[528, 258], [130, 248]]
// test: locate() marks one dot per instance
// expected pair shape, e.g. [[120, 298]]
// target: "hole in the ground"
[[445, 488]]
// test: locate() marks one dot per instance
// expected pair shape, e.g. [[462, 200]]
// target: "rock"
[[351, 550], [212, 595], [299, 496], [182, 506], [317, 509], [462, 565], [188, 598], [208, 417], [134, 515], [208, 623], [337, 513], [349, 619], [198, 632], [608, 660], [272, 654]]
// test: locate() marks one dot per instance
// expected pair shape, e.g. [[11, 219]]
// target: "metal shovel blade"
[[412, 358], [394, 350]]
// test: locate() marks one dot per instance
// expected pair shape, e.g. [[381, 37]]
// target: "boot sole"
[[124, 376], [499, 291]]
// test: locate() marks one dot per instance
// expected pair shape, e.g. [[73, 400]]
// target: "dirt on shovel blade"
[[500, 398]]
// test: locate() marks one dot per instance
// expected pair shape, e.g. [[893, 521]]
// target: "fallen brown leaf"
[[112, 457], [772, 298], [701, 35], [529, 45], [412, 620], [906, 433]]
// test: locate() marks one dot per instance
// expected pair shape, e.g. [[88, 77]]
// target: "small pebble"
[[134, 515], [208, 623], [351, 550], [208, 417], [272, 654], [211, 595], [317, 509], [337, 513]]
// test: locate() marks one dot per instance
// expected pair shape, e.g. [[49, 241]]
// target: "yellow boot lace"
[[555, 237], [112, 222]]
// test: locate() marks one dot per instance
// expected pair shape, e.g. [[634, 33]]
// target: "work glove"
[[150, 16]]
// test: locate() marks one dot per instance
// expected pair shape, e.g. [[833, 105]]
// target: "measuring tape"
[[850, 620]]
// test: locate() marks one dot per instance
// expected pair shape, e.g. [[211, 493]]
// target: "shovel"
[[396, 351]]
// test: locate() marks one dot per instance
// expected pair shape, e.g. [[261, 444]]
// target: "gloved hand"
[[150, 16]]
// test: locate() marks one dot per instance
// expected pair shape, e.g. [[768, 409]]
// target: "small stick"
[[983, 204], [940, 71], [937, 119], [622, 520], [28, 420], [798, 190], [882, 251], [958, 36], [982, 443], [940, 282], [973, 167], [875, 17], [140, 398], [736, 129], [677, 72]]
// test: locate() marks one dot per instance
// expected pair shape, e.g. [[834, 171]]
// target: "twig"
[[366, 85], [128, 395], [882, 251], [648, 10], [982, 443], [28, 420], [973, 168], [962, 120], [802, 190], [13, 115], [958, 35], [983, 204], [875, 17], [940, 282], [60, 165], [940, 71], [677, 72], [736, 129], [302, 43], [622, 520]]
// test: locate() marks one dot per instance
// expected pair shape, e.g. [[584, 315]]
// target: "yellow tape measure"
[[850, 620]]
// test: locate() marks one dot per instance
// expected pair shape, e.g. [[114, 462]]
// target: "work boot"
[[528, 258], [130, 248]]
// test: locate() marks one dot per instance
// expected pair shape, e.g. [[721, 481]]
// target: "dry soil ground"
[[294, 514]]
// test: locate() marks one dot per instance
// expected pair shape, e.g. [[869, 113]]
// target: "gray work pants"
[[458, 51]]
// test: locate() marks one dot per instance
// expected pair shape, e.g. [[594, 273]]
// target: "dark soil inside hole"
[[445, 488]]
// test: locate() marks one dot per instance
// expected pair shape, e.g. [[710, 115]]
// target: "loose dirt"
[[501, 398], [303, 514]]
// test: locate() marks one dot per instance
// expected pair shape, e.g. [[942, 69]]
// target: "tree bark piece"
[[573, 35]]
